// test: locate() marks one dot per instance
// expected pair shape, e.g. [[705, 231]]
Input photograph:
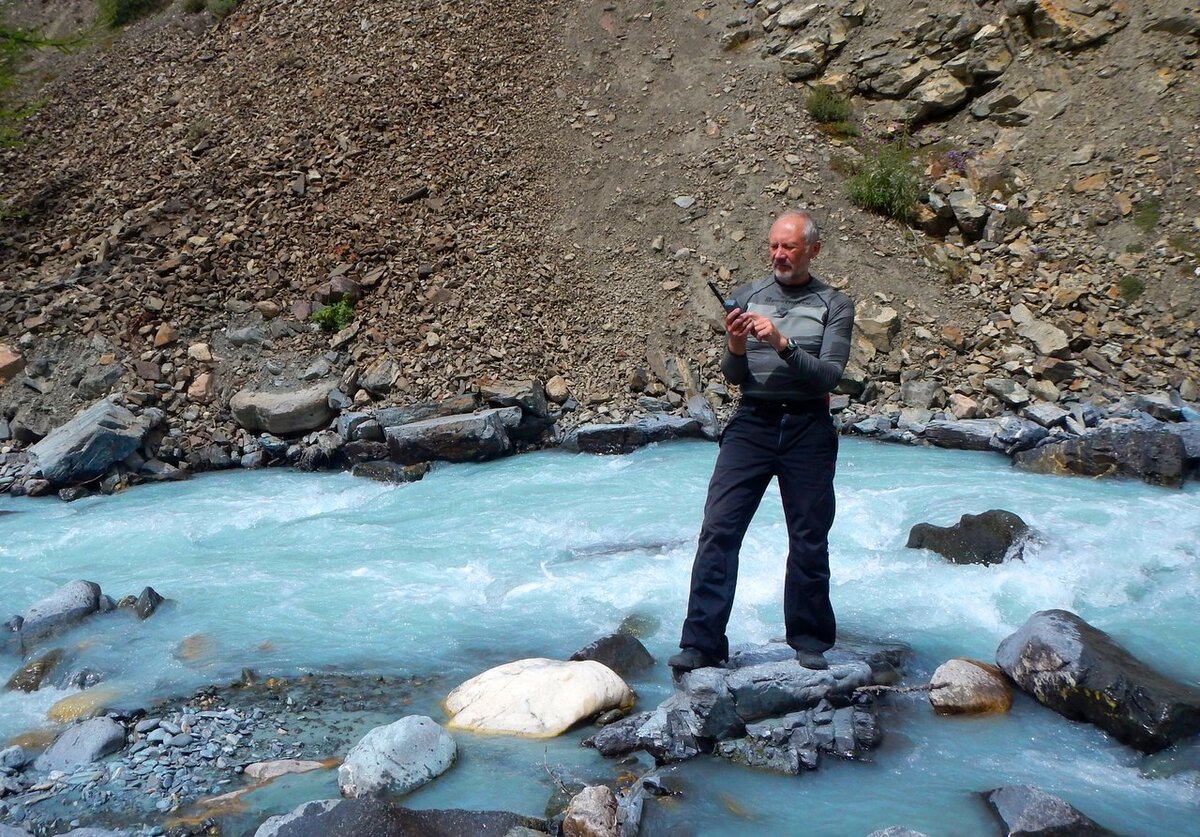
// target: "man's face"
[[790, 253]]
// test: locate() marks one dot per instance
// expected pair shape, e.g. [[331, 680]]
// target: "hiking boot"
[[812, 659], [689, 659]]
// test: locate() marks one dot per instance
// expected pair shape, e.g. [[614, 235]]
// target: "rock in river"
[[536, 697], [65, 606], [969, 687], [621, 652], [976, 538], [397, 758], [1030, 812], [1080, 672]]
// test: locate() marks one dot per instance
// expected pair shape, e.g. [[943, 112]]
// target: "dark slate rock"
[[83, 743], [1154, 456], [359, 427], [1082, 673], [1017, 434], [86, 446], [65, 606], [353, 453], [661, 427], [1026, 811], [379, 818], [713, 705], [396, 416], [964, 434], [699, 408], [976, 538], [606, 438], [795, 742], [390, 471], [620, 737], [147, 602], [621, 652], [529, 395], [463, 438]]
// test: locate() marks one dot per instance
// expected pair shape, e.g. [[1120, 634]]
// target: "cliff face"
[[539, 189]]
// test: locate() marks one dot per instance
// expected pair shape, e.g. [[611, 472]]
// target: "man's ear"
[[816, 249]]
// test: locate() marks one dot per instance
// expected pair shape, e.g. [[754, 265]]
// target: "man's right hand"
[[738, 327]]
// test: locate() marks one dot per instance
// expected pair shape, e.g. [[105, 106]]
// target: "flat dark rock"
[[378, 818], [1026, 811]]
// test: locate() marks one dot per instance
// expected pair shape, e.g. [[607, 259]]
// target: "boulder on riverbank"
[[83, 743], [1157, 457], [87, 446], [325, 817], [969, 687], [1026, 810], [283, 413], [986, 538], [1082, 673], [536, 697], [765, 711], [397, 758], [473, 437]]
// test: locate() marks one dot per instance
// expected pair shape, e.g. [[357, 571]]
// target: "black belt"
[[793, 408]]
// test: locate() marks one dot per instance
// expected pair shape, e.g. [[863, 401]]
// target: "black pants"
[[799, 447]]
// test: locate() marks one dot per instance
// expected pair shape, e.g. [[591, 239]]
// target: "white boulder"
[[537, 697], [397, 758]]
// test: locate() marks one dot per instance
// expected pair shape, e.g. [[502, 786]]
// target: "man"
[[787, 342]]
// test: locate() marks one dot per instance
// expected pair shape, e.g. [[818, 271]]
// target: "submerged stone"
[[1030, 812], [375, 817]]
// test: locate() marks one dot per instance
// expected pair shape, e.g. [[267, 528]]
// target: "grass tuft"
[[1146, 216], [827, 106], [333, 317], [1130, 288], [114, 13], [886, 183]]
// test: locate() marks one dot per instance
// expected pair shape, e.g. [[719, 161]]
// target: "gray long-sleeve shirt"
[[817, 317]]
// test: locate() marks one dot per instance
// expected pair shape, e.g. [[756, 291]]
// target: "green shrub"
[[826, 106], [333, 317], [845, 128], [222, 8], [1130, 287], [886, 183], [193, 7], [114, 13], [1146, 216]]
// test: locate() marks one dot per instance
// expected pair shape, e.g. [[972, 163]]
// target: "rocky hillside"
[[538, 189]]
